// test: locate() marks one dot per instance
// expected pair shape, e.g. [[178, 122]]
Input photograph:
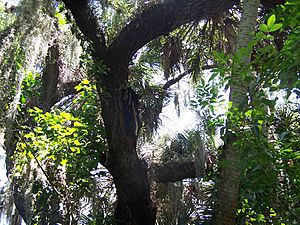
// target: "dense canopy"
[[83, 85]]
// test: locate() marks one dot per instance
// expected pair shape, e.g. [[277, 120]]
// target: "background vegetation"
[[83, 84]]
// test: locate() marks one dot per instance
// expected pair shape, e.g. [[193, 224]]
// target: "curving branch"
[[175, 80], [160, 19], [88, 25]]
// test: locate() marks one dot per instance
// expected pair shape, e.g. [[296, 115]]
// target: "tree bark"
[[173, 171], [160, 19], [228, 190], [129, 172], [120, 104]]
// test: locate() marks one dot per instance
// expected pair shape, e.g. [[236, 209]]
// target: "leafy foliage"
[[269, 159], [66, 144], [58, 152]]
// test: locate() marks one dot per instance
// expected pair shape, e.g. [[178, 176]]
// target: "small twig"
[[44, 172], [171, 82]]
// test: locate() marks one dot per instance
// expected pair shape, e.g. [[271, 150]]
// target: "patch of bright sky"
[[11, 2], [187, 120], [171, 122]]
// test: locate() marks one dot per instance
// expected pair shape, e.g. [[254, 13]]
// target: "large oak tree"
[[119, 107]]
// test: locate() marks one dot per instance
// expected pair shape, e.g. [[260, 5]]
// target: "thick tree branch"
[[88, 25], [173, 171], [160, 19], [54, 86], [175, 80]]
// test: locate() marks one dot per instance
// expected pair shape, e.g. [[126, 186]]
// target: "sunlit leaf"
[[264, 28], [248, 113], [77, 143], [67, 116], [56, 127], [271, 21], [78, 124], [64, 162], [275, 27], [85, 81]]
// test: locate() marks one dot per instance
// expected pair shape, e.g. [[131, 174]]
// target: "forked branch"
[[88, 25], [160, 19]]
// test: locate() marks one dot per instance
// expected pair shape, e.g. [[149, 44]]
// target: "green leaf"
[[23, 99], [61, 19], [275, 27], [272, 213], [37, 110], [202, 82], [271, 21], [78, 87], [286, 151], [64, 162], [264, 28], [85, 81], [248, 113], [77, 143], [70, 131], [56, 126], [78, 124], [30, 155], [261, 218], [73, 149], [66, 116], [213, 76]]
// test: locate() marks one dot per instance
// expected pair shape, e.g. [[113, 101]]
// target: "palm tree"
[[228, 190]]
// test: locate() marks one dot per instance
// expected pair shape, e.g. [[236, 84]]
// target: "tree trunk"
[[228, 190], [120, 114], [120, 104]]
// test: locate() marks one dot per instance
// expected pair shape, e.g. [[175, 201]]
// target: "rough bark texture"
[[228, 190], [160, 19], [119, 103], [50, 78], [173, 171], [119, 111], [87, 23], [128, 171], [55, 86]]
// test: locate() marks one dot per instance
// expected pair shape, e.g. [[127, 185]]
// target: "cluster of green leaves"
[[61, 15], [68, 139], [271, 26], [211, 91], [30, 85], [213, 95], [285, 68], [269, 155], [270, 165]]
